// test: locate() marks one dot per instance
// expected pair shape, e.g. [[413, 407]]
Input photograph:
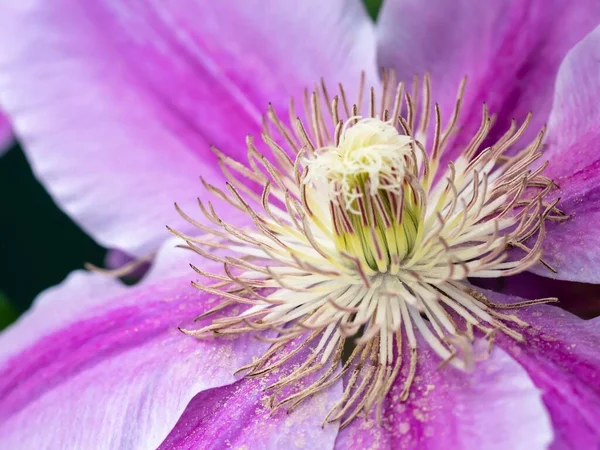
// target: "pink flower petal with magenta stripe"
[[239, 416], [118, 375], [560, 355], [496, 406], [573, 247], [510, 51], [118, 102]]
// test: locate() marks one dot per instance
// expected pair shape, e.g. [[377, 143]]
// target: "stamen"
[[360, 244]]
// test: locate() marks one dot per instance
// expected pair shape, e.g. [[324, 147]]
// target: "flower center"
[[375, 210], [359, 248]]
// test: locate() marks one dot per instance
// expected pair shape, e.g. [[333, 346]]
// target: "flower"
[[362, 248], [95, 364]]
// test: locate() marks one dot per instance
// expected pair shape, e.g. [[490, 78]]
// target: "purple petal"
[[561, 357], [238, 416], [83, 291], [118, 101], [510, 50], [574, 126], [80, 292], [6, 134], [494, 407], [116, 376], [573, 247], [171, 261]]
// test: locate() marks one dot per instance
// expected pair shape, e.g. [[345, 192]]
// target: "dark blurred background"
[[39, 244]]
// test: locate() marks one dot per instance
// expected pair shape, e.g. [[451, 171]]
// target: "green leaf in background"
[[373, 6], [7, 313]]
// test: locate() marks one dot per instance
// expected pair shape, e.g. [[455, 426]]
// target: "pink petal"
[[117, 102], [494, 407], [510, 50], [573, 247], [118, 375], [80, 292], [562, 359], [574, 125], [171, 261], [238, 416], [6, 134]]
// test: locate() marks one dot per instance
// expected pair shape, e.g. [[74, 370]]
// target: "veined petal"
[[574, 125], [239, 416], [510, 51], [494, 407], [117, 102], [116, 376], [573, 246], [561, 357], [79, 293], [82, 292]]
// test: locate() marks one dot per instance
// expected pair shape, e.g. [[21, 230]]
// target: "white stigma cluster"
[[374, 209], [360, 244], [368, 147]]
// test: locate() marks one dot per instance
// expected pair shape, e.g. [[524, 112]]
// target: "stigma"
[[360, 242], [374, 211]]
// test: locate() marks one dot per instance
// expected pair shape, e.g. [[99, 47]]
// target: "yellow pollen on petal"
[[361, 240]]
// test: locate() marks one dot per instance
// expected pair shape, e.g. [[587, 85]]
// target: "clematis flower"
[[346, 241]]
